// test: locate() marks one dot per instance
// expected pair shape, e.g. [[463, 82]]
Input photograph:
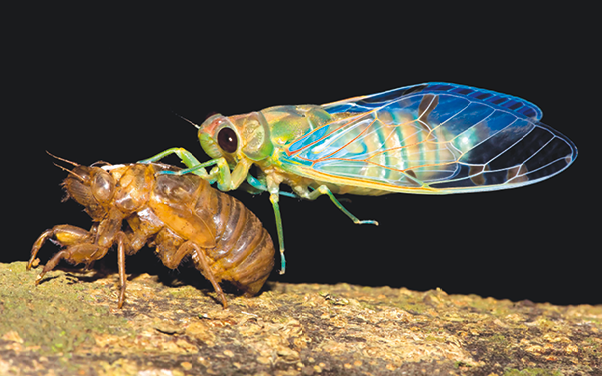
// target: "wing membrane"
[[432, 138]]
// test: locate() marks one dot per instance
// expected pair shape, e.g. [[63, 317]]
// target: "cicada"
[[432, 138], [181, 216]]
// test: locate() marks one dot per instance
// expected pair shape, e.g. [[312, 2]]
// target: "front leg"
[[66, 235], [221, 174], [187, 158], [79, 243], [193, 164], [226, 180], [75, 254]]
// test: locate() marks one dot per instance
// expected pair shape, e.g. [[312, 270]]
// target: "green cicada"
[[434, 138]]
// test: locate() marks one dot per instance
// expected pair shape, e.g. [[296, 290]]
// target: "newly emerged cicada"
[[182, 216], [433, 138]]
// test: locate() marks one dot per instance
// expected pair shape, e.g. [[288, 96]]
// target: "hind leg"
[[172, 257]]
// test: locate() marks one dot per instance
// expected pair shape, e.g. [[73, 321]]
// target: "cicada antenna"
[[63, 168], [62, 159], [183, 118], [69, 171]]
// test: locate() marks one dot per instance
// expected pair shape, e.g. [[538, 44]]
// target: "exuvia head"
[[92, 187]]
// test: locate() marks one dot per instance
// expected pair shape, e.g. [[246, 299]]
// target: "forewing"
[[432, 138]]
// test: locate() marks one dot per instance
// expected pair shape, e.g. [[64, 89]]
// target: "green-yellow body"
[[434, 138]]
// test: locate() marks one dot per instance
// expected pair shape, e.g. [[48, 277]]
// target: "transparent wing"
[[432, 138]]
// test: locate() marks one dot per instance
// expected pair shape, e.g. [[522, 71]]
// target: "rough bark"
[[70, 325]]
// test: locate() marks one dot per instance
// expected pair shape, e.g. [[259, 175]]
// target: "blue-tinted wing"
[[432, 138]]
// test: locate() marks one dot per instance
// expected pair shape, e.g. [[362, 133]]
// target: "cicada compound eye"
[[227, 140], [103, 186]]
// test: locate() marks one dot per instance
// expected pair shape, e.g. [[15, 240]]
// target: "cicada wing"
[[432, 138], [370, 102]]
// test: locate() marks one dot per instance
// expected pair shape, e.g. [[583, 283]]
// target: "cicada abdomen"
[[243, 253]]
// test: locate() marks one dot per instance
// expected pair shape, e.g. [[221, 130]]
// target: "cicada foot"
[[200, 260], [122, 243], [65, 235], [79, 248], [324, 190], [171, 254], [75, 254]]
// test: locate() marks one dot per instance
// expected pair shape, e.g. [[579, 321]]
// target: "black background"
[[101, 84]]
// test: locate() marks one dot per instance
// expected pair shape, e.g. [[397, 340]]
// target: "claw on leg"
[[65, 235], [323, 190], [121, 240], [200, 259], [79, 248], [274, 200]]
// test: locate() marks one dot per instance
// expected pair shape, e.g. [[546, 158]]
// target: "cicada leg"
[[323, 190], [85, 253], [261, 187], [226, 180], [274, 201], [202, 264], [304, 193], [122, 243], [187, 158], [65, 235]]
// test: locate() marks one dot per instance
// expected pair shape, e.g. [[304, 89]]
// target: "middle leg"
[[324, 190]]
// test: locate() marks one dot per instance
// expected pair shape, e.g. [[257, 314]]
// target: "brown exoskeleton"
[[179, 215]]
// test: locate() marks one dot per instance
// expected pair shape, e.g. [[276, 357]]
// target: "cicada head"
[[91, 187], [236, 137]]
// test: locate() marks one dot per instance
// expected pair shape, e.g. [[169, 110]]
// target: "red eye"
[[227, 140]]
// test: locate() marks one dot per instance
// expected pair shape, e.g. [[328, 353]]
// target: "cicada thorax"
[[288, 123], [358, 145], [239, 249]]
